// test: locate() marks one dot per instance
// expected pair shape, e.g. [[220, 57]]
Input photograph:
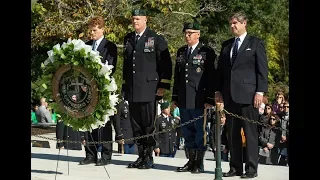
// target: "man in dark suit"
[[100, 154], [147, 71], [242, 80], [193, 89]]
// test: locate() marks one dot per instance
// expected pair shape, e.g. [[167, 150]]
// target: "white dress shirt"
[[193, 47], [141, 33], [97, 42]]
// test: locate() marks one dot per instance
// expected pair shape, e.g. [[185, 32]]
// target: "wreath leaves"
[[77, 53]]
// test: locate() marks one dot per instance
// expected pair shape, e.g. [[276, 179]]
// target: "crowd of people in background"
[[273, 135], [273, 139]]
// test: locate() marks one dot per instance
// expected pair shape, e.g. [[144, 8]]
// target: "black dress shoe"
[[102, 162], [135, 164], [147, 163], [187, 167], [232, 173], [248, 176], [87, 161]]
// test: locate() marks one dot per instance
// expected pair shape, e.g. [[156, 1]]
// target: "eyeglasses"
[[285, 106], [280, 106], [268, 108], [189, 33], [273, 119]]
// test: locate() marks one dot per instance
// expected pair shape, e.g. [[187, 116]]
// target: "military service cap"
[[194, 26], [164, 105], [139, 12]]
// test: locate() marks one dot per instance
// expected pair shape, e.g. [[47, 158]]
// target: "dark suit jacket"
[[108, 51], [194, 77], [248, 74], [147, 66]]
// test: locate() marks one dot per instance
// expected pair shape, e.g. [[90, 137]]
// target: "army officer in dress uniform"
[[165, 141], [147, 71], [193, 89]]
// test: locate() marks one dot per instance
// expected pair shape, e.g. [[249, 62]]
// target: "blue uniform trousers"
[[195, 133]]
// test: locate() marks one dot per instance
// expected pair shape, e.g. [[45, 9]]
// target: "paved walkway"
[[44, 163]]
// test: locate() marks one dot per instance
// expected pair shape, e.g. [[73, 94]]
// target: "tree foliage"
[[54, 21]]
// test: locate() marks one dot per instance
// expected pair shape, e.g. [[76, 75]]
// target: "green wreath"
[[77, 54]]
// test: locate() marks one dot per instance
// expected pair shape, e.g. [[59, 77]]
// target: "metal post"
[[218, 170]]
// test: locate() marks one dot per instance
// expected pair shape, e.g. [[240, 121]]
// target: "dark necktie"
[[235, 51], [137, 38], [189, 52]]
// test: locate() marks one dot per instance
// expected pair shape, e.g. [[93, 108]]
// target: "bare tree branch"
[[62, 6], [208, 7], [184, 13]]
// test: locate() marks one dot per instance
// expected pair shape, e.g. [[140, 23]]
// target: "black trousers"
[[142, 116], [251, 133], [64, 132], [101, 134]]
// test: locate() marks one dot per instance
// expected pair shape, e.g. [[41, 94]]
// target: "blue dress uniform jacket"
[[147, 66], [165, 141], [194, 77]]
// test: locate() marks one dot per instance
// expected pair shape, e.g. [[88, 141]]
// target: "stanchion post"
[[218, 170]]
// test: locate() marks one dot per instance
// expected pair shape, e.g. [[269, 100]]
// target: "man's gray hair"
[[240, 16]]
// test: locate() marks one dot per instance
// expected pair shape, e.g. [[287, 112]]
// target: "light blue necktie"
[[94, 45]]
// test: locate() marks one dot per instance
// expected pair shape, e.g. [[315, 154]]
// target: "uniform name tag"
[[146, 50]]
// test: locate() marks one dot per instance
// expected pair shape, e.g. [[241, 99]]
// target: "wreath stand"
[[68, 158], [71, 56], [55, 177]]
